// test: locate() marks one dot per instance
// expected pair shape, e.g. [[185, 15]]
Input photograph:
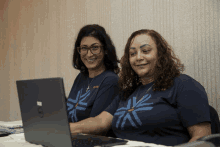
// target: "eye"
[[83, 48], [145, 50], [95, 47], [132, 53]]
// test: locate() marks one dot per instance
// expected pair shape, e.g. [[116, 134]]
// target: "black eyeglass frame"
[[90, 48]]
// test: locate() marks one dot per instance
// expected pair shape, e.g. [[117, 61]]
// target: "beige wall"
[[37, 37]]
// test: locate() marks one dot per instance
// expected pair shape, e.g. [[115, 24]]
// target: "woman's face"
[[143, 55], [92, 61]]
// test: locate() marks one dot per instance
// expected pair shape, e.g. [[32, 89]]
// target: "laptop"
[[44, 116]]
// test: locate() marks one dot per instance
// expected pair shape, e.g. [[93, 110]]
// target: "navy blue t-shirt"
[[161, 117], [82, 104]]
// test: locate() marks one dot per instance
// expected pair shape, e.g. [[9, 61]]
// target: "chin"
[[142, 74], [92, 67]]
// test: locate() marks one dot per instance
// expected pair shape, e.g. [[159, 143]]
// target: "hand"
[[74, 129]]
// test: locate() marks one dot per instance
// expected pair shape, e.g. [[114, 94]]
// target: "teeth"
[[91, 60]]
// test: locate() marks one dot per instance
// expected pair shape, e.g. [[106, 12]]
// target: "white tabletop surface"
[[18, 140], [11, 124]]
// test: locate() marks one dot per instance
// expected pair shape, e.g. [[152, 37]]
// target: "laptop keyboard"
[[86, 142], [93, 140]]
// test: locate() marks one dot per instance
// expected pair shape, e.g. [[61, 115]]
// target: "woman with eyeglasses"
[[97, 83], [158, 103]]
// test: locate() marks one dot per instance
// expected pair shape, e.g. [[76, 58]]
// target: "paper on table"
[[11, 124], [17, 140], [17, 136], [18, 144], [13, 143], [138, 143]]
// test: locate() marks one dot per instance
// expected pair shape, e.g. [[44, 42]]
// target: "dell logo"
[[39, 103], [40, 110]]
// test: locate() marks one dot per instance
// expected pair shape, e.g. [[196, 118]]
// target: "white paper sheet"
[[11, 124], [16, 140], [138, 143]]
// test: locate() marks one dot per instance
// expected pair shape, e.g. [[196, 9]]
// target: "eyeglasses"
[[96, 49]]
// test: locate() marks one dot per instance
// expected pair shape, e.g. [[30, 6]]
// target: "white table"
[[18, 140]]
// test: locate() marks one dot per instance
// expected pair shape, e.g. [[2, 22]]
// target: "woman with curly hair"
[[157, 104], [97, 83]]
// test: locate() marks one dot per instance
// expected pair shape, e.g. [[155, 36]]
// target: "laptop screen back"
[[43, 111]]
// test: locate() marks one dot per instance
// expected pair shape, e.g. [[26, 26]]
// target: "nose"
[[89, 53], [139, 55]]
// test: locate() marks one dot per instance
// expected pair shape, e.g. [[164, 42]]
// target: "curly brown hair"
[[168, 66]]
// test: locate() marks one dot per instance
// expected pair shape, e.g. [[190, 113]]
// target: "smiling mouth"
[[91, 60], [141, 65]]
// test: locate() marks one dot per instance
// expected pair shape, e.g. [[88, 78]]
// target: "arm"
[[199, 130], [105, 97], [98, 125], [193, 108]]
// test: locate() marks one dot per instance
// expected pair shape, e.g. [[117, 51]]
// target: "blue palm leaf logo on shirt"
[[72, 105], [126, 115]]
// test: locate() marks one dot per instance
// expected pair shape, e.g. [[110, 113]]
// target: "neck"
[[146, 80], [93, 73]]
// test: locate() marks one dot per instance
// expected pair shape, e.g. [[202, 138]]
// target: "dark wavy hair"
[[168, 66], [110, 58]]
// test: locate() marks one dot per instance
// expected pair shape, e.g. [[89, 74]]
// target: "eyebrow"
[[140, 46], [144, 45], [90, 45]]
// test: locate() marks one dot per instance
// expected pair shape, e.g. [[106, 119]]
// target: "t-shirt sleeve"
[[113, 106], [107, 93], [192, 103]]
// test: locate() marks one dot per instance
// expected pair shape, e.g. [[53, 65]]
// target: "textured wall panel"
[[37, 38]]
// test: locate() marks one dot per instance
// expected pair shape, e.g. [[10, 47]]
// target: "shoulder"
[[183, 78], [111, 74], [186, 83], [110, 77], [78, 77], [186, 80]]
